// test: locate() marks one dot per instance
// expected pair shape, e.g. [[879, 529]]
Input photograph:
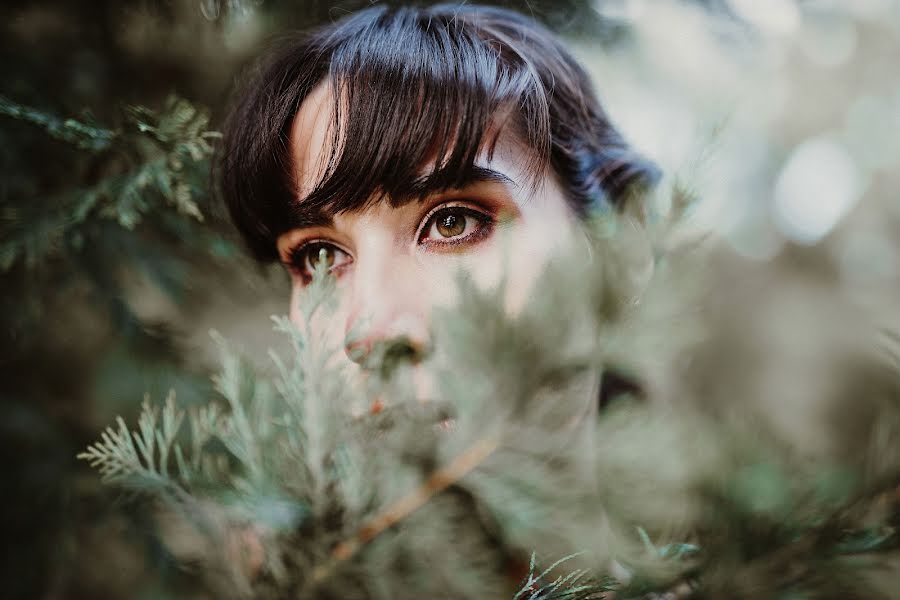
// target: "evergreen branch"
[[441, 479], [755, 530], [239, 435], [790, 564], [564, 587], [165, 173], [139, 459], [72, 131]]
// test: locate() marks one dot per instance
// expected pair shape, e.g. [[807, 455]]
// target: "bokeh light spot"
[[818, 185], [772, 16]]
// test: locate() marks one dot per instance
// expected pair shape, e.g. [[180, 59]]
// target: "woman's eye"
[[305, 258], [455, 224]]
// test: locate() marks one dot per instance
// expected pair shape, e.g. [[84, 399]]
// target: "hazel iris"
[[451, 225]]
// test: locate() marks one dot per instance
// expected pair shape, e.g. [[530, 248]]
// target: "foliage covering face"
[[290, 493]]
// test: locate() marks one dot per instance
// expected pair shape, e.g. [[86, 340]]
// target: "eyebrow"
[[308, 216], [432, 184]]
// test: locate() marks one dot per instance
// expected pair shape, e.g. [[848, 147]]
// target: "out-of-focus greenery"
[[282, 489], [781, 115]]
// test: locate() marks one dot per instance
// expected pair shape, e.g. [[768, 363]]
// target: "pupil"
[[450, 226]]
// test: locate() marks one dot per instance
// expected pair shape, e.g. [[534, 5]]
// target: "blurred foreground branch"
[[696, 491]]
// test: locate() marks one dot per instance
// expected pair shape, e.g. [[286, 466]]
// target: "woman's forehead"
[[311, 139]]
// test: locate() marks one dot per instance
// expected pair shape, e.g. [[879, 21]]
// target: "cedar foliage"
[[293, 493], [128, 205], [161, 161]]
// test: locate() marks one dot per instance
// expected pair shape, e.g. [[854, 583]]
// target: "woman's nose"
[[387, 324], [386, 343]]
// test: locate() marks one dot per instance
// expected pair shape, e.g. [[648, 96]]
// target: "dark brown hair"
[[417, 86]]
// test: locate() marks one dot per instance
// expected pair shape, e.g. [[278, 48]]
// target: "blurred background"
[[783, 116]]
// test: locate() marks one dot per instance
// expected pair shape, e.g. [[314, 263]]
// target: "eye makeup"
[[451, 225]]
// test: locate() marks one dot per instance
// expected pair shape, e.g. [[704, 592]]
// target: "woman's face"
[[394, 265]]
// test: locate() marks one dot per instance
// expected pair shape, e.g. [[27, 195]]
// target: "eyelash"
[[298, 256]]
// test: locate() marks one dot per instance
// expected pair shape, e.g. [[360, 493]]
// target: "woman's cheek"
[[514, 257], [529, 252], [485, 265], [482, 263], [509, 257]]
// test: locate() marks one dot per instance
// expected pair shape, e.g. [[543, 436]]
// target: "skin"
[[395, 265]]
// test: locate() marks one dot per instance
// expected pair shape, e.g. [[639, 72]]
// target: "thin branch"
[[439, 481]]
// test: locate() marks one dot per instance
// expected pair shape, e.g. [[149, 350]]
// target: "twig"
[[439, 481]]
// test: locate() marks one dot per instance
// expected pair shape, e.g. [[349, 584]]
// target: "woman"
[[404, 144]]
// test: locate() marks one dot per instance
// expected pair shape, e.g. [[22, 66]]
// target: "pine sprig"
[[141, 458], [82, 135], [574, 585], [441, 479], [160, 159]]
